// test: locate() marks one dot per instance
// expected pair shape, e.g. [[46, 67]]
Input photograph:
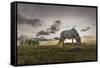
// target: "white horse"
[[69, 34]]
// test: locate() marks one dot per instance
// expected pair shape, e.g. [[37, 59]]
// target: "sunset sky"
[[33, 19]]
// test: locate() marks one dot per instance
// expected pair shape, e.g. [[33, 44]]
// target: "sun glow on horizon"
[[69, 41]]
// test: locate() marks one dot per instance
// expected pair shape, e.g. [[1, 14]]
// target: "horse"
[[69, 34]]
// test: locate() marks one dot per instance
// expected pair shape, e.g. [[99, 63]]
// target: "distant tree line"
[[23, 41]]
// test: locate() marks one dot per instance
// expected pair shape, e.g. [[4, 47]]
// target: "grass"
[[54, 54]]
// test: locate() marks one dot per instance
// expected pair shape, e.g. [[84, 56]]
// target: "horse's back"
[[67, 34]]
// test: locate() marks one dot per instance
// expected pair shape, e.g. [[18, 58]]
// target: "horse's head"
[[73, 29], [78, 42]]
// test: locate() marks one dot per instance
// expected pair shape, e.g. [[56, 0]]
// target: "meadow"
[[55, 54]]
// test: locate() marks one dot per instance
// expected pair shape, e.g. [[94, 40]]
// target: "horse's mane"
[[75, 31]]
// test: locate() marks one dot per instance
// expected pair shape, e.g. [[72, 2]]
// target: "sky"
[[49, 21]]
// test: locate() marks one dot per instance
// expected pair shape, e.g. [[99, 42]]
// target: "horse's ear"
[[73, 28]]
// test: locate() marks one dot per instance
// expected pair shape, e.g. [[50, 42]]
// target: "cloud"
[[22, 37], [93, 24], [50, 30], [85, 29], [56, 38], [42, 32], [89, 36], [43, 39], [55, 26], [34, 22]]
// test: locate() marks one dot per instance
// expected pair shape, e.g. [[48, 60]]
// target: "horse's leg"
[[78, 43], [58, 42], [62, 43]]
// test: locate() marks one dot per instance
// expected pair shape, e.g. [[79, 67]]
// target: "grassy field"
[[54, 54]]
